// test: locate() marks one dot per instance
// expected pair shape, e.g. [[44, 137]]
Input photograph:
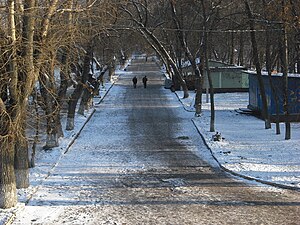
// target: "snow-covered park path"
[[140, 160]]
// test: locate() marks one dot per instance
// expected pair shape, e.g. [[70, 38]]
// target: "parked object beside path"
[[145, 79], [134, 81], [217, 137]]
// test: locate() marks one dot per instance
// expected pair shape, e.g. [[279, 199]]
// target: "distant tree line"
[[47, 48]]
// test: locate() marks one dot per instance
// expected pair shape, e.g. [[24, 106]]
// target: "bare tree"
[[285, 70], [192, 59], [140, 15], [14, 108], [205, 57], [26, 61], [269, 63], [251, 18]]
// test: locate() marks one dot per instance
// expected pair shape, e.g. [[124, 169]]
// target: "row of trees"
[[39, 36], [46, 48], [260, 35]]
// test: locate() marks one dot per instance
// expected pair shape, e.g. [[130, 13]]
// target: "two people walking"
[[134, 81]]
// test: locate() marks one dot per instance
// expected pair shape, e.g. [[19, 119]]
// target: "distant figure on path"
[[134, 81], [145, 81]]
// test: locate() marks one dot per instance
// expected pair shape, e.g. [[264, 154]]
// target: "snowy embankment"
[[248, 149]]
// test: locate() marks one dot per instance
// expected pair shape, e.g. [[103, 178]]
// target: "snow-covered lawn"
[[248, 149]]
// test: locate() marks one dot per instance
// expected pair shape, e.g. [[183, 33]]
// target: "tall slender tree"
[[265, 113], [285, 70]]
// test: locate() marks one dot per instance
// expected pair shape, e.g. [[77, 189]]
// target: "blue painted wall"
[[255, 102]]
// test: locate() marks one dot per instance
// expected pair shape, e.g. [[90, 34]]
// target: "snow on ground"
[[248, 149], [47, 160]]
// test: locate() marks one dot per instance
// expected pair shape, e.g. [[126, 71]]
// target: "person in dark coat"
[[145, 81], [134, 81]]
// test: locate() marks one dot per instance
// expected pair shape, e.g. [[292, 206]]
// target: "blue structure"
[[255, 102]]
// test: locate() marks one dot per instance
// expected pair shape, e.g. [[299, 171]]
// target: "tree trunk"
[[72, 106], [59, 104], [298, 53], [111, 70], [265, 113], [285, 74], [65, 72], [36, 127], [268, 60], [232, 48], [62, 90], [48, 85], [269, 69], [73, 100], [79, 89], [205, 57], [49, 107], [86, 96], [21, 162], [241, 50], [8, 191], [57, 118], [26, 80], [192, 60], [85, 78], [198, 89], [17, 109]]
